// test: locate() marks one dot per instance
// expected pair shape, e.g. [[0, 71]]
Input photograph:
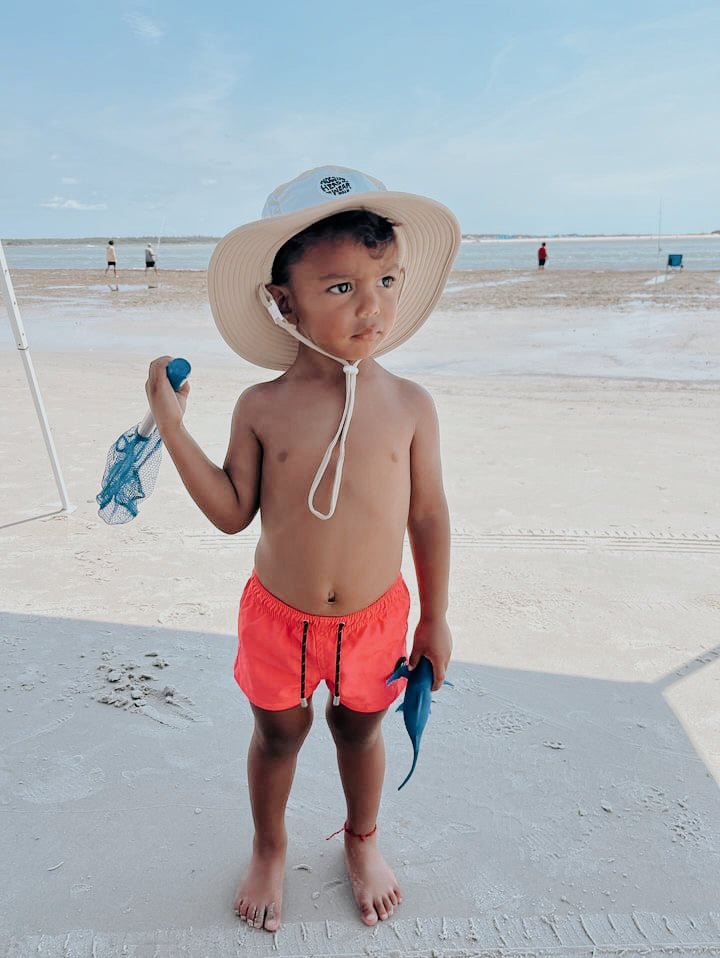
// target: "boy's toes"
[[383, 908], [258, 916], [272, 919], [368, 913], [247, 912]]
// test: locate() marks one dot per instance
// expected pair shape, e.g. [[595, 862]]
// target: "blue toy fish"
[[416, 704]]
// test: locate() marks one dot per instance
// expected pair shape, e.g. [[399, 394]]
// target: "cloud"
[[69, 181], [208, 181], [59, 203], [144, 27]]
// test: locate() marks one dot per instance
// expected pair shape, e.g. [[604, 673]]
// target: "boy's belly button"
[[331, 598]]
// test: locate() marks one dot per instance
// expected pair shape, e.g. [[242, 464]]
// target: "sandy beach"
[[566, 799]]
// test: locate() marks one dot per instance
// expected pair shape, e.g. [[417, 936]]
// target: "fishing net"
[[132, 467], [134, 460]]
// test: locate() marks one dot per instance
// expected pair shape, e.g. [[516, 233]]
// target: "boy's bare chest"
[[298, 433]]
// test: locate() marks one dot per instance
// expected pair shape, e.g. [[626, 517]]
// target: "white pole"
[[160, 235], [22, 345]]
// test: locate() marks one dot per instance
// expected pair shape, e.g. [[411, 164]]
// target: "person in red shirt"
[[542, 255]]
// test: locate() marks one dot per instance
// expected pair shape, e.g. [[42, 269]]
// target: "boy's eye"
[[340, 288], [387, 281]]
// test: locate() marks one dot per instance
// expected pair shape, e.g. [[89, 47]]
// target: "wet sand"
[[467, 289]]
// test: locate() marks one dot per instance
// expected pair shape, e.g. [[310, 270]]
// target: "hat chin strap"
[[340, 437]]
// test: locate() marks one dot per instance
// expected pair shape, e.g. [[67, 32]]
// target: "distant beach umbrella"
[[133, 461]]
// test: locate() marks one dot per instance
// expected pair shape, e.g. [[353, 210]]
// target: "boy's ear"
[[281, 295]]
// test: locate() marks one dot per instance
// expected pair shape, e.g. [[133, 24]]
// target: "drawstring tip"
[[336, 699], [304, 703]]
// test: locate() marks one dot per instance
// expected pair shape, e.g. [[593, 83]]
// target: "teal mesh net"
[[132, 467], [133, 462]]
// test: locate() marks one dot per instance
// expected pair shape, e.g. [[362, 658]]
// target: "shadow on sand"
[[548, 814]]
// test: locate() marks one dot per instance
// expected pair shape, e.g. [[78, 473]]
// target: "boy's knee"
[[278, 738], [277, 746], [354, 730]]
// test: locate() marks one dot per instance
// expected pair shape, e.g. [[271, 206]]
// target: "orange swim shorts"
[[283, 653]]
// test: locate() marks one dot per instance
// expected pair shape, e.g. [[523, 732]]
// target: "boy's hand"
[[433, 640], [166, 405]]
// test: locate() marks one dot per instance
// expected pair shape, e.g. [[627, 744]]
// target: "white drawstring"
[[340, 437], [351, 372]]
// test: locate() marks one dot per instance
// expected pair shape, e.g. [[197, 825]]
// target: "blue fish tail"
[[416, 752]]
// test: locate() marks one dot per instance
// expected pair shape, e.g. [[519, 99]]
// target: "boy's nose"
[[369, 305]]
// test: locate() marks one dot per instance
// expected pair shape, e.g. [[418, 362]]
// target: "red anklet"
[[348, 831]]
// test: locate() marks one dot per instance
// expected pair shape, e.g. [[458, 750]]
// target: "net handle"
[[177, 371]]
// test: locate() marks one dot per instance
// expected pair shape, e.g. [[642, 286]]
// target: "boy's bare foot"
[[373, 883], [258, 900]]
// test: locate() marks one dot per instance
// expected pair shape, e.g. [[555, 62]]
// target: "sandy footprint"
[[62, 778]]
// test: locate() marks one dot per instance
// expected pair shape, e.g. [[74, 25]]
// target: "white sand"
[[566, 798]]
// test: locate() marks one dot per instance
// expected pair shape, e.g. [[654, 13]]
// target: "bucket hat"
[[241, 264]]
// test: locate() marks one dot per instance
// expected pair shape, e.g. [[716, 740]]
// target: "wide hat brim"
[[429, 236]]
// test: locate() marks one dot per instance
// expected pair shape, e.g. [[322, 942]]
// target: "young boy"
[[338, 271]]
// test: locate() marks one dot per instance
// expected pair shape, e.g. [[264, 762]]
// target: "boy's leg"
[[272, 757], [361, 761]]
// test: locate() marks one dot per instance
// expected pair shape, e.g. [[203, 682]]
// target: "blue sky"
[[159, 117]]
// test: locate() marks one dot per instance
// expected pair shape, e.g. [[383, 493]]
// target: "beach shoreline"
[[627, 325], [512, 288]]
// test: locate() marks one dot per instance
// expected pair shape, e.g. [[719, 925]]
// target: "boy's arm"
[[229, 497], [429, 531]]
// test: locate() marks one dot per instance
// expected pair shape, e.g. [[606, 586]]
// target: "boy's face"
[[343, 296]]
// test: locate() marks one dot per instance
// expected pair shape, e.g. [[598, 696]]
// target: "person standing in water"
[[150, 260], [111, 257], [542, 255]]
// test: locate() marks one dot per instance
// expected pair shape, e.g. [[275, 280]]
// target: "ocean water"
[[69, 254], [606, 253], [609, 253]]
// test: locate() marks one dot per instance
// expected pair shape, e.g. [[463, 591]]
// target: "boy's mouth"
[[370, 333]]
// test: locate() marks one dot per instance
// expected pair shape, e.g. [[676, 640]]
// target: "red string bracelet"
[[346, 828]]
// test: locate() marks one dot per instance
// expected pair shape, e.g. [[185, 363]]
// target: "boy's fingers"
[[160, 363], [438, 675], [157, 369]]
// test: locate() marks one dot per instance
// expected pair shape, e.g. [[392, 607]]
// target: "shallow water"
[[565, 253]]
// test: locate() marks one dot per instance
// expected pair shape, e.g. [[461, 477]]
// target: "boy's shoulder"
[[407, 397], [260, 391], [408, 389], [255, 398]]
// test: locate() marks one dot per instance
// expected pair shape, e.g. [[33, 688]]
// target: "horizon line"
[[496, 236]]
